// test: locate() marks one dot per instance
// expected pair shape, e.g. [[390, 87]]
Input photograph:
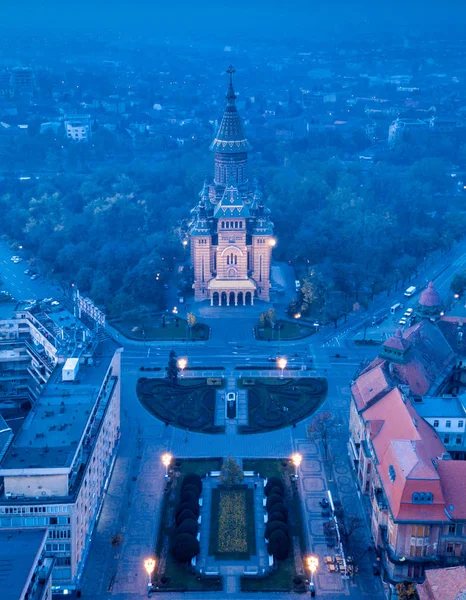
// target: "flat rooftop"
[[433, 406], [53, 429], [18, 551]]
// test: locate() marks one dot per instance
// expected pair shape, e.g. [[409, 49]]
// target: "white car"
[[402, 321], [409, 312], [35, 276], [54, 303]]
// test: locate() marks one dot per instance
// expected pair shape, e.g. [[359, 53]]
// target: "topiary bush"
[[278, 516], [275, 526], [185, 547], [183, 515], [273, 482], [278, 545], [192, 506], [277, 491], [188, 526], [279, 507], [273, 499], [190, 487], [192, 479], [188, 496]]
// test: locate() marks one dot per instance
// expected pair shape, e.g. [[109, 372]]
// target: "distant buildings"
[[78, 127], [25, 568], [443, 584], [231, 231], [54, 471]]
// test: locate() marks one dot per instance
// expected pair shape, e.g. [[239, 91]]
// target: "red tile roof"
[[453, 479], [443, 584], [370, 386], [430, 297]]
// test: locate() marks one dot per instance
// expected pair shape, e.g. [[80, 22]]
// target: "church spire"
[[230, 137]]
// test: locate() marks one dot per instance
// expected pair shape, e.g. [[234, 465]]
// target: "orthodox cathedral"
[[231, 233]]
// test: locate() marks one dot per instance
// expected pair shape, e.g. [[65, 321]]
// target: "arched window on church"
[[223, 224], [236, 260], [241, 224]]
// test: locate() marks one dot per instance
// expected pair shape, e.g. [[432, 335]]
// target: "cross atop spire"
[[231, 69]]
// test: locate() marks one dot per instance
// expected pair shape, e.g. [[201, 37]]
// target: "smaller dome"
[[429, 297]]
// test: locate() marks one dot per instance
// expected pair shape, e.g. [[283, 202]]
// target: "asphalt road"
[[21, 286]]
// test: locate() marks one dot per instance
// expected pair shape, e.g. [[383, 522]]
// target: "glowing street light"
[[297, 315], [166, 460], [282, 362], [182, 362], [272, 242], [149, 565], [312, 563], [296, 459], [185, 243]]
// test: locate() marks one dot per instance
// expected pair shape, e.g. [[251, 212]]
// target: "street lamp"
[[296, 459], [182, 362], [149, 565], [282, 362], [166, 460], [312, 563], [297, 315]]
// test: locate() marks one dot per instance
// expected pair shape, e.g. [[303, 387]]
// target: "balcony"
[[431, 560]]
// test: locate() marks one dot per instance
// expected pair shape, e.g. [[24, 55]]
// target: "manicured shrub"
[[187, 496], [273, 482], [278, 545], [279, 507], [278, 516], [185, 514], [185, 547], [278, 491], [274, 526], [192, 479], [188, 526], [273, 499], [190, 487], [192, 506]]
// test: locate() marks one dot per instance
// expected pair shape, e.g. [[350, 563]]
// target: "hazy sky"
[[227, 17]]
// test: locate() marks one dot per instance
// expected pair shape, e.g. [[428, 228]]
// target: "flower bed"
[[232, 524]]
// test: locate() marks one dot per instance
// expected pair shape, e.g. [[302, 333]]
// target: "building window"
[[452, 528], [436, 423], [458, 441], [448, 424], [241, 224], [460, 423], [391, 473], [446, 439], [368, 468], [450, 548], [422, 498]]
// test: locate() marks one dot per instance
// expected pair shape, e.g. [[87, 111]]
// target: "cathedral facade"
[[231, 234]]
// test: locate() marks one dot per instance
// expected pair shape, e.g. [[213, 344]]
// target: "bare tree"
[[324, 428], [231, 473]]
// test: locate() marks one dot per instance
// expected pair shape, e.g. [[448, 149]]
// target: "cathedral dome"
[[430, 297]]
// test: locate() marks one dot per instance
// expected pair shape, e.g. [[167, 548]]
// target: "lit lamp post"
[[185, 244], [149, 565], [182, 362], [282, 362], [166, 460], [272, 242], [297, 315], [312, 563], [296, 459]]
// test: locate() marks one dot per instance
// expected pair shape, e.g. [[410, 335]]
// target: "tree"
[[188, 526], [190, 487], [183, 515], [172, 367], [192, 479], [274, 526], [273, 482], [278, 516], [231, 473], [191, 319], [323, 428], [272, 500], [185, 547], [191, 505], [278, 545], [348, 525], [458, 284]]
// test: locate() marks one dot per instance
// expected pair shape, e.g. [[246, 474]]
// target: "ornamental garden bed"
[[171, 575], [284, 330], [274, 403], [188, 404], [288, 574], [153, 328], [232, 532]]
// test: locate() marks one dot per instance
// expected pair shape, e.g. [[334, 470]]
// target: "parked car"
[[402, 321], [35, 276], [27, 271], [409, 312], [55, 303]]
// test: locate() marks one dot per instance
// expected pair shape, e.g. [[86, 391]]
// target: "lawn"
[[274, 403], [180, 577], [188, 404], [284, 330], [151, 329], [283, 578], [232, 533]]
